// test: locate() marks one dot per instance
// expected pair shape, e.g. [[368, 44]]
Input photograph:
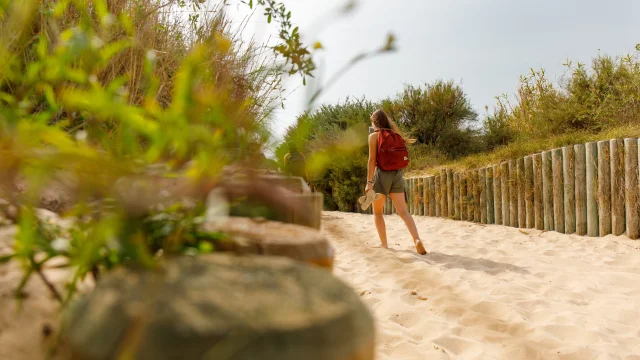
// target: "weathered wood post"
[[470, 200], [592, 188], [482, 183], [504, 185], [438, 195], [450, 206], [569, 180], [558, 190], [477, 195], [456, 195], [538, 203], [444, 208], [432, 196], [522, 213], [490, 207], [427, 196], [410, 197], [463, 197], [528, 192], [581, 188], [513, 194], [631, 187], [616, 147], [497, 194], [604, 188], [547, 190]]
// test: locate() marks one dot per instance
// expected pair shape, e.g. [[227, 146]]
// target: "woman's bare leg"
[[378, 208], [401, 208]]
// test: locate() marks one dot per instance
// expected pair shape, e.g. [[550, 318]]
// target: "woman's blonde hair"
[[381, 120]]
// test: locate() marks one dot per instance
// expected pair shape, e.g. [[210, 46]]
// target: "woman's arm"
[[371, 164]]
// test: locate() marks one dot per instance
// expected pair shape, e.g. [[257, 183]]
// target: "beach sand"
[[491, 292]]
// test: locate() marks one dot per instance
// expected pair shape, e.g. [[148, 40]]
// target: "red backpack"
[[392, 152]]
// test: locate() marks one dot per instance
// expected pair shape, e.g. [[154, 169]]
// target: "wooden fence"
[[589, 189]]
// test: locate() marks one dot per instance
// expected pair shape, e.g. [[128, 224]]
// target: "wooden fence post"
[[489, 193], [631, 187], [456, 195], [437, 194], [470, 199], [513, 194], [504, 185], [538, 203], [497, 195], [477, 195], [522, 214], [463, 196], [427, 196], [432, 196], [604, 188], [581, 189], [482, 183], [450, 206], [569, 180], [592, 188], [528, 192], [558, 190], [547, 190], [616, 147], [412, 196], [444, 208], [421, 211]]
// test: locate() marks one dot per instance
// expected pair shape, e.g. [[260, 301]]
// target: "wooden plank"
[[421, 211], [470, 201], [444, 208], [410, 196], [477, 195], [513, 194], [432, 196], [504, 185], [450, 206], [631, 187], [558, 190], [592, 188], [438, 195], [427, 196], [616, 148], [581, 188], [547, 190], [528, 192], [497, 195], [456, 195], [482, 184], [604, 188], [463, 196], [569, 180], [491, 219], [522, 214], [538, 203]]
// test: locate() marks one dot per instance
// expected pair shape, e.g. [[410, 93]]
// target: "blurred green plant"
[[121, 105]]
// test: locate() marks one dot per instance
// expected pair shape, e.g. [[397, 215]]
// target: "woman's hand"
[[368, 187]]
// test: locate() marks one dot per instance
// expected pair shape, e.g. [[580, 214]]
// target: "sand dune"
[[492, 292]]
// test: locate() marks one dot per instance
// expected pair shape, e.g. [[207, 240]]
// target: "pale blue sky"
[[483, 44]]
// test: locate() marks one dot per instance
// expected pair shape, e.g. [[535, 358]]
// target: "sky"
[[483, 45]]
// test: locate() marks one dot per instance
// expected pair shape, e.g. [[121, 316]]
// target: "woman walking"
[[387, 157]]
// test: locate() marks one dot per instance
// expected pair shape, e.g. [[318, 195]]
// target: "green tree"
[[437, 114]]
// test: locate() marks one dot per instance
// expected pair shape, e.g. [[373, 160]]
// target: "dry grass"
[[166, 32], [520, 149]]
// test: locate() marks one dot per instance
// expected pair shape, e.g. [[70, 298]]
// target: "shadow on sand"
[[461, 262]]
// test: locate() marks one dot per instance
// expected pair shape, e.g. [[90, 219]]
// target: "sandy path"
[[492, 292]]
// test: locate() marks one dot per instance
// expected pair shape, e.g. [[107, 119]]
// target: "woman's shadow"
[[461, 262]]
